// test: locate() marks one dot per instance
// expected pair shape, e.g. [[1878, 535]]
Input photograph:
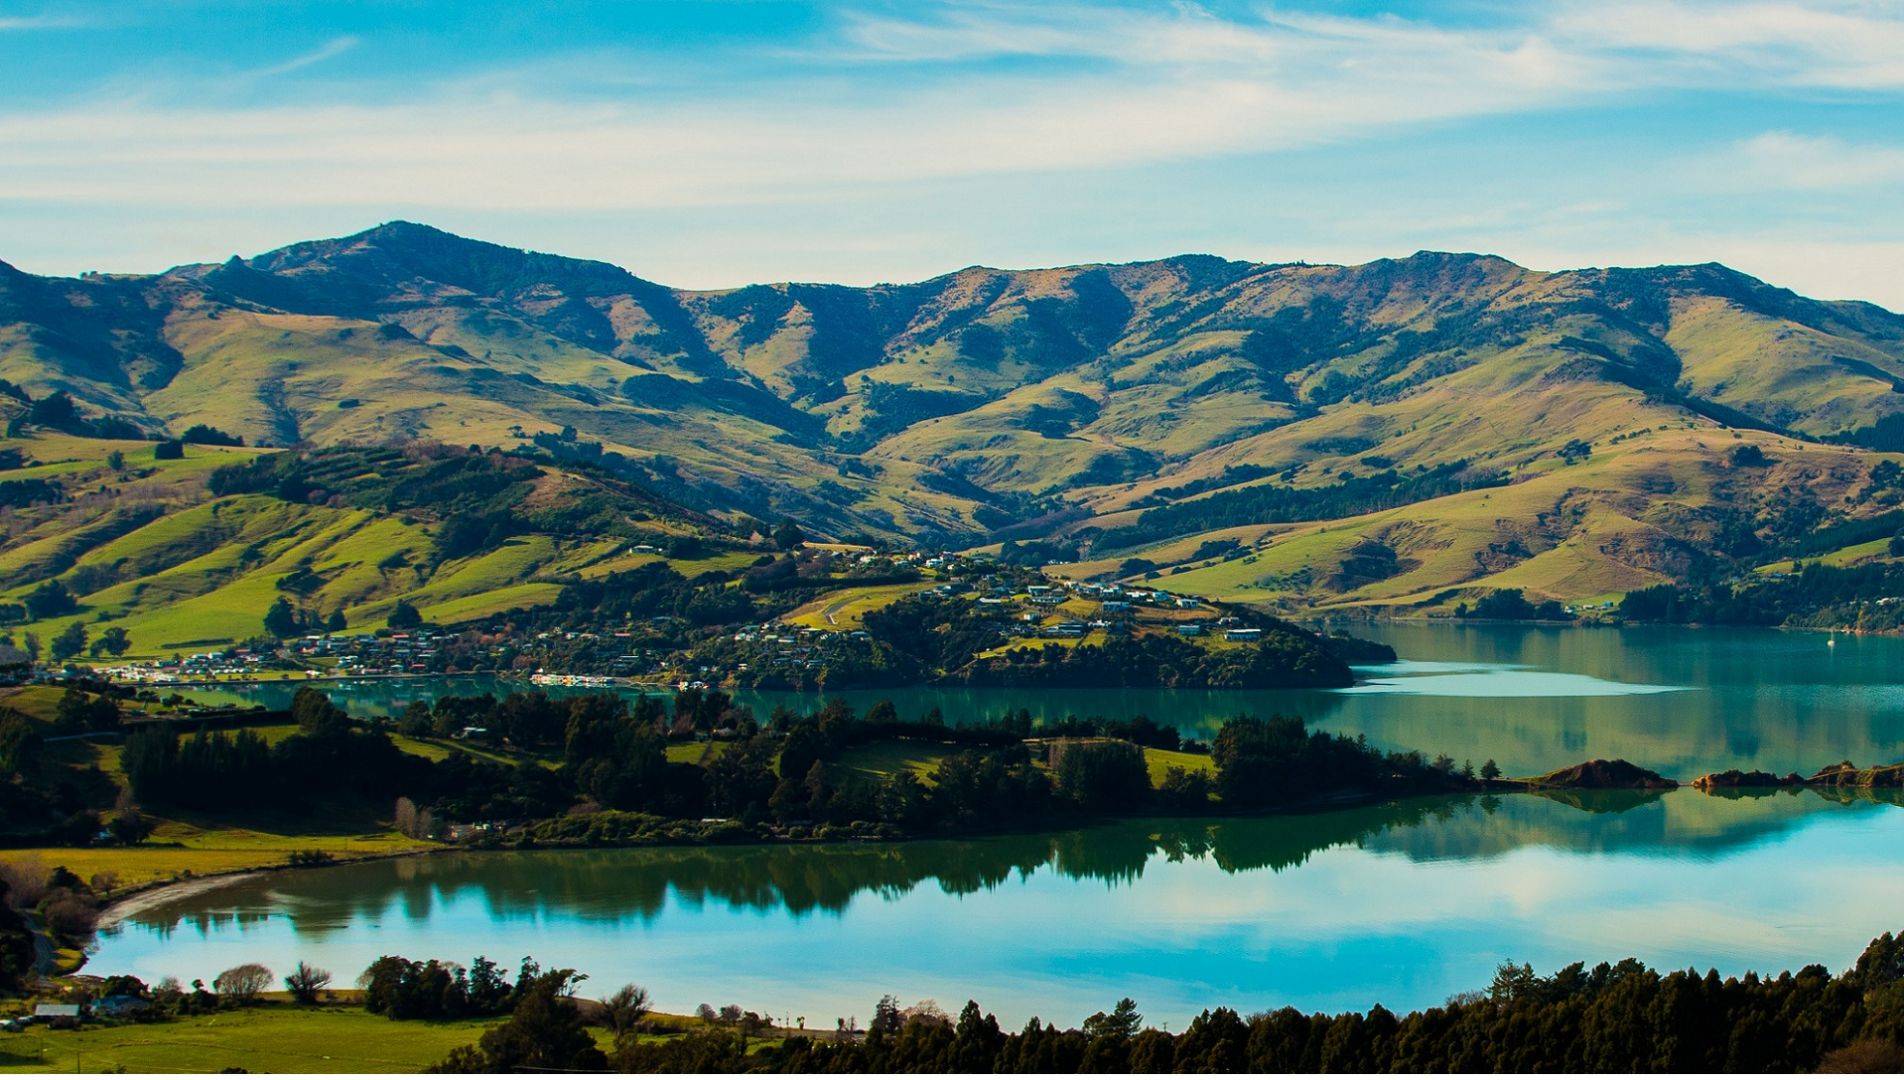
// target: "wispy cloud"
[[1785, 160], [331, 49], [42, 22], [882, 104]]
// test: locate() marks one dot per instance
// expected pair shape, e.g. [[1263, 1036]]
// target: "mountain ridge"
[[972, 402]]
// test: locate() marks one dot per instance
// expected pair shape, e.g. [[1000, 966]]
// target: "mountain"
[[1378, 434]]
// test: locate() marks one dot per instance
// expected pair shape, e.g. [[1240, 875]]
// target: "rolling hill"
[[1398, 433]]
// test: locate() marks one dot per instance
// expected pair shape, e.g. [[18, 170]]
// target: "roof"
[[56, 1010]]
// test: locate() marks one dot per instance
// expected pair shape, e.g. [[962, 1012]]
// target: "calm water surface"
[[1673, 699], [1402, 904]]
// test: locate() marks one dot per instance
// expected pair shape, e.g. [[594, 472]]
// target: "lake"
[[1677, 700], [1402, 904]]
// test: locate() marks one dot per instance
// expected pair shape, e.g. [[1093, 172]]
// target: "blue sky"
[[709, 144]]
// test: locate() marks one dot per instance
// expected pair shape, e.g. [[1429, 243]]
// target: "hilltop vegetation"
[[1405, 433]]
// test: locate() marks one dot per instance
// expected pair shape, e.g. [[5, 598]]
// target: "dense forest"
[[1865, 597]]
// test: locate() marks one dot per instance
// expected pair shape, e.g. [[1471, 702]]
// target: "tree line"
[[595, 768], [1613, 1017]]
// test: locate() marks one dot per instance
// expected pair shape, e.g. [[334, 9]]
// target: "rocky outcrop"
[[1842, 775], [1737, 778], [1601, 774], [1845, 774]]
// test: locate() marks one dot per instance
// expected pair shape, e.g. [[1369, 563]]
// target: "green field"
[[847, 608], [889, 757], [1162, 761], [266, 1038]]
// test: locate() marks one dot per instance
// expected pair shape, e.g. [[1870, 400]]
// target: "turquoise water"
[[1401, 904], [1677, 700]]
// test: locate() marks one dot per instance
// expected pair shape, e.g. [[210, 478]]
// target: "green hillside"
[[1420, 428], [184, 556]]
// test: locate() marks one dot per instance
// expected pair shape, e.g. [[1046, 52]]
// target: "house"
[[1243, 633], [1190, 629], [56, 1015]]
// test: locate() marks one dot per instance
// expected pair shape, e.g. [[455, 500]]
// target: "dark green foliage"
[[28, 492], [1512, 604], [168, 450], [20, 744], [281, 619], [405, 989], [1814, 595], [544, 1033], [1615, 1018], [50, 599], [206, 435], [113, 641], [1281, 658], [69, 642], [16, 945], [80, 711], [1102, 776], [403, 616], [1279, 762]]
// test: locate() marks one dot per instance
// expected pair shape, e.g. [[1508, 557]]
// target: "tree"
[[404, 616], [168, 450], [242, 984], [50, 600], [69, 642], [1102, 774], [335, 624], [281, 621], [206, 435], [316, 715], [543, 1034], [20, 744], [788, 535], [306, 982], [625, 1008], [1121, 1022], [116, 461], [1489, 770], [113, 640], [129, 827]]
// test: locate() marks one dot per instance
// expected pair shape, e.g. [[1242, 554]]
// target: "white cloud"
[[335, 47], [1792, 161], [888, 104]]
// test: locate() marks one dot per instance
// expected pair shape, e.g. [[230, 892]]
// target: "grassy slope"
[[1604, 526], [846, 609], [203, 572]]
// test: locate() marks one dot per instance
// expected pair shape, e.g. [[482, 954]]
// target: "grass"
[[846, 609], [181, 847], [889, 757], [1162, 761], [266, 1038]]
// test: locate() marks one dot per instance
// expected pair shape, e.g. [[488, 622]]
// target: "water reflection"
[[1402, 903], [1676, 700], [636, 886]]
